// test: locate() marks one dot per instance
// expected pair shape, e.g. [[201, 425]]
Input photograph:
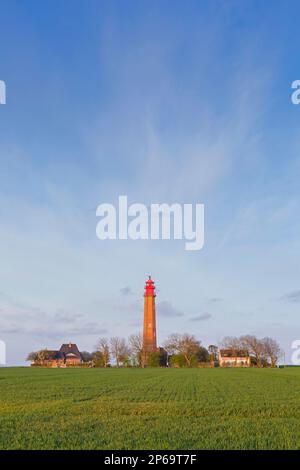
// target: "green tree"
[[98, 359], [186, 345], [86, 356], [213, 352], [32, 356], [202, 355], [177, 360], [158, 358]]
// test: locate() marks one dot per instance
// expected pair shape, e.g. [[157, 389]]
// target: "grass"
[[149, 409]]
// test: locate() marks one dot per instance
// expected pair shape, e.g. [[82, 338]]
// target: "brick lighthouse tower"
[[149, 334]]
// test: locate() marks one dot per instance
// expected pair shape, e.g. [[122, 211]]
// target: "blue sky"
[[103, 97]]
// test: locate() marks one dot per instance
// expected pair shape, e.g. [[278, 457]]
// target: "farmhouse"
[[234, 358], [71, 354], [68, 355], [51, 359]]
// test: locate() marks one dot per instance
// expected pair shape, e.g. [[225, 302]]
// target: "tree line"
[[264, 352], [179, 350]]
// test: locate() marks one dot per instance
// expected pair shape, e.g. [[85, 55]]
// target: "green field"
[[149, 409]]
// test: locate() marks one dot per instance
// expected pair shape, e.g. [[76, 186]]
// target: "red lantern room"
[[150, 287]]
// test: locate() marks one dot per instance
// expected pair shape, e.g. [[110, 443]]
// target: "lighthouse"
[[149, 333]]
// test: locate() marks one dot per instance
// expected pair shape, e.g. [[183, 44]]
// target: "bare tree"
[[232, 342], [43, 355], [39, 356], [185, 344], [272, 350], [119, 350], [103, 349], [255, 348], [136, 346]]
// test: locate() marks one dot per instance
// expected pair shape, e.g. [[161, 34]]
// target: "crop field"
[[149, 409]]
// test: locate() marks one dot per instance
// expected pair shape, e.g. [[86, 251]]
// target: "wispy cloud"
[[203, 317], [166, 309], [126, 290], [293, 296], [89, 329], [66, 317]]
